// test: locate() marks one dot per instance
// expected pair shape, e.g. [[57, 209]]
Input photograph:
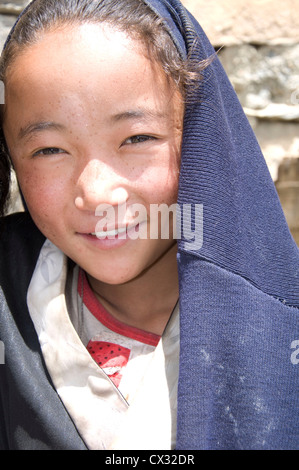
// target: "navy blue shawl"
[[239, 291]]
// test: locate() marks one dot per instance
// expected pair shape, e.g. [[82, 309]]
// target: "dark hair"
[[132, 16]]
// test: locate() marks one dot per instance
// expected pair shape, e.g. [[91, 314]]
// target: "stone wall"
[[8, 13], [259, 41]]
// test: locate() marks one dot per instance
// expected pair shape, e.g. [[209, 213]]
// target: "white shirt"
[[140, 413]]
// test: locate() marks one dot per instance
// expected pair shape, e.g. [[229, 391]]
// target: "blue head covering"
[[239, 290]]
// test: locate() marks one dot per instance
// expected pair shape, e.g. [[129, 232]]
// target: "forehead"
[[90, 64], [76, 55]]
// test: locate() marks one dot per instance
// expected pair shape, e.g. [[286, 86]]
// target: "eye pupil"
[[49, 151], [52, 151], [138, 139]]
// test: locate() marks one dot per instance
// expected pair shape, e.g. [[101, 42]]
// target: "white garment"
[[101, 414], [140, 345]]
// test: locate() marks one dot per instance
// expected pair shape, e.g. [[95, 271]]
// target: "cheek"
[[160, 179], [162, 185], [43, 195]]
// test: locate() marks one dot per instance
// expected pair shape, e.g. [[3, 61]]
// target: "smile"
[[110, 233], [117, 233]]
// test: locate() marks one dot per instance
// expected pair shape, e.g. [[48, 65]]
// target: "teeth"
[[109, 233]]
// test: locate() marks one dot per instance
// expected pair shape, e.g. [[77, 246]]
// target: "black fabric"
[[32, 415]]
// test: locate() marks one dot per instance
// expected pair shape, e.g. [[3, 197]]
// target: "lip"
[[112, 238], [114, 232]]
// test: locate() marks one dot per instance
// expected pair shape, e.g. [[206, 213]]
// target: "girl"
[[116, 335]]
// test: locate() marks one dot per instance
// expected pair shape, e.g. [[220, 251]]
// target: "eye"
[[48, 151], [138, 139]]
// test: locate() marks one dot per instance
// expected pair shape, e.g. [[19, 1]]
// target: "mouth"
[[114, 233]]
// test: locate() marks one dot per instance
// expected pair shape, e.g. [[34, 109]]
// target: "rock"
[[263, 75], [15, 201], [6, 23], [288, 190], [231, 22], [278, 139], [275, 112]]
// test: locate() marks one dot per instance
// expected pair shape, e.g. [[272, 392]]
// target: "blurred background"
[[259, 41]]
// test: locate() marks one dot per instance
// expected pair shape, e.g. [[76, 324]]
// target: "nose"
[[99, 184]]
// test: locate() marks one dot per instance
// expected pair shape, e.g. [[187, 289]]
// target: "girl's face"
[[89, 122]]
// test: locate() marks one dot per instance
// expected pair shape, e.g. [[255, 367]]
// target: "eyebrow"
[[139, 114], [31, 129]]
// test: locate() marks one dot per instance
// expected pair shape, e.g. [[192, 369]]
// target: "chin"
[[114, 278]]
